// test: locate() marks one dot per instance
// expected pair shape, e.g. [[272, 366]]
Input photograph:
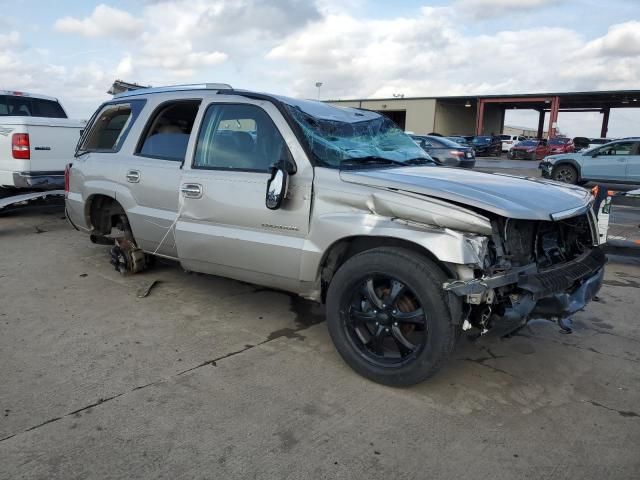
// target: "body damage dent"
[[435, 226]]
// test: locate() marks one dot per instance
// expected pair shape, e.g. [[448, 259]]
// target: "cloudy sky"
[[357, 48]]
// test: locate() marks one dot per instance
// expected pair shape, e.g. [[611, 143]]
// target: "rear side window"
[[167, 133], [622, 148], [19, 106], [111, 126]]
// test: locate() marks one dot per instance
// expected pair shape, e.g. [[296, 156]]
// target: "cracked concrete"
[[210, 378]]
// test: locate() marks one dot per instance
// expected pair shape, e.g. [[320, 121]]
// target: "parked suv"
[[509, 141], [340, 206], [614, 162]]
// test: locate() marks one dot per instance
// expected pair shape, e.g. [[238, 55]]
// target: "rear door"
[[224, 226], [633, 165], [153, 173], [608, 162]]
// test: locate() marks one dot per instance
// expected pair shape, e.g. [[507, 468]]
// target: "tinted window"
[[111, 125], [445, 142], [558, 141], [481, 140], [505, 137], [528, 143], [16, 105], [241, 137], [622, 148], [167, 133]]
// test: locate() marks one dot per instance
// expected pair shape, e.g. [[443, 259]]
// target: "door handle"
[[191, 190], [133, 176]]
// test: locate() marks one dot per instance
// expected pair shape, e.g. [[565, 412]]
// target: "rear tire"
[[389, 317], [565, 173]]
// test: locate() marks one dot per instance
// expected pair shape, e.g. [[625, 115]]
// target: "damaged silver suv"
[[337, 205]]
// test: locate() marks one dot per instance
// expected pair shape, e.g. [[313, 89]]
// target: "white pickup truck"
[[37, 140]]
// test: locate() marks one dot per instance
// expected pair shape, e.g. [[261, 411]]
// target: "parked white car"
[[596, 142], [37, 140], [509, 141]]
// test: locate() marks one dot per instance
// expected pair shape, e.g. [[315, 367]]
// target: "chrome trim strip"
[[572, 212]]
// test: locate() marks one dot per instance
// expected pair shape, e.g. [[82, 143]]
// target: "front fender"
[[564, 161], [447, 245]]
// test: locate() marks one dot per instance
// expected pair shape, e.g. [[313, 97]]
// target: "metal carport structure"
[[602, 101]]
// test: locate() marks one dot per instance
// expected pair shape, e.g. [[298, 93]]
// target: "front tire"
[[565, 173], [389, 317]]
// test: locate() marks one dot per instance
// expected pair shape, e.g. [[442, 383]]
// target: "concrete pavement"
[[209, 378]]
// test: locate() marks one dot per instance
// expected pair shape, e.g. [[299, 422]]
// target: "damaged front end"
[[532, 269]]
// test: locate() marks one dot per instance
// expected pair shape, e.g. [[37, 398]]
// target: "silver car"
[[337, 205]]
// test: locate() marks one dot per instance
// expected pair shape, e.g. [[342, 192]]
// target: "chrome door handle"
[[191, 190], [133, 176]]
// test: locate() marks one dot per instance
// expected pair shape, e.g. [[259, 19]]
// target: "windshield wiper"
[[420, 161], [373, 160]]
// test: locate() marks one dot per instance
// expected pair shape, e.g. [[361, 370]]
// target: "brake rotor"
[[405, 304]]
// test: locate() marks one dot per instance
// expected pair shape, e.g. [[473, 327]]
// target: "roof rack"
[[175, 88]]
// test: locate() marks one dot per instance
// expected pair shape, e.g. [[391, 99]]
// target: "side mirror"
[[276, 187]]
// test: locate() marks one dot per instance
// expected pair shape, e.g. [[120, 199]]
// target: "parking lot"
[[210, 378]]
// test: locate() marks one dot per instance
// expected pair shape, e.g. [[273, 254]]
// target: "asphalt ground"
[[208, 378]]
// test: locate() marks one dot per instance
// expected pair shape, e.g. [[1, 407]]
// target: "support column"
[[553, 116], [605, 122], [540, 123], [479, 117]]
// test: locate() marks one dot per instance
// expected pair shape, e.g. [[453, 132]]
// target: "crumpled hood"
[[506, 195]]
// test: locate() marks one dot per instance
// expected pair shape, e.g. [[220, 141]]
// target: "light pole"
[[318, 85]]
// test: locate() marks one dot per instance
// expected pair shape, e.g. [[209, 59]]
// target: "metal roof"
[[592, 99]]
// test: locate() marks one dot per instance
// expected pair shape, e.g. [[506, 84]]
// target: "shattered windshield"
[[374, 140]]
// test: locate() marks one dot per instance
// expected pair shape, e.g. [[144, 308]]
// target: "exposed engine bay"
[[533, 269]]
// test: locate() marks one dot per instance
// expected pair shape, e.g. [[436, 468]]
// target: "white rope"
[[171, 227]]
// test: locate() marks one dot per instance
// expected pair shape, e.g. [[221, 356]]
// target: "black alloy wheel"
[[385, 321], [389, 317]]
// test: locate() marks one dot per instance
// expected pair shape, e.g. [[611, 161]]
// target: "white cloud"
[[491, 8], [125, 67], [103, 21], [287, 46], [622, 40]]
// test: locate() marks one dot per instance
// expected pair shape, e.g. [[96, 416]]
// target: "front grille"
[[561, 277]]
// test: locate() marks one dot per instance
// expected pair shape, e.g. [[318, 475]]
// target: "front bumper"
[[521, 154], [545, 169], [553, 293]]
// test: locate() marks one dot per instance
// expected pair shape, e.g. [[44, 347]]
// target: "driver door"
[[609, 162], [224, 227]]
